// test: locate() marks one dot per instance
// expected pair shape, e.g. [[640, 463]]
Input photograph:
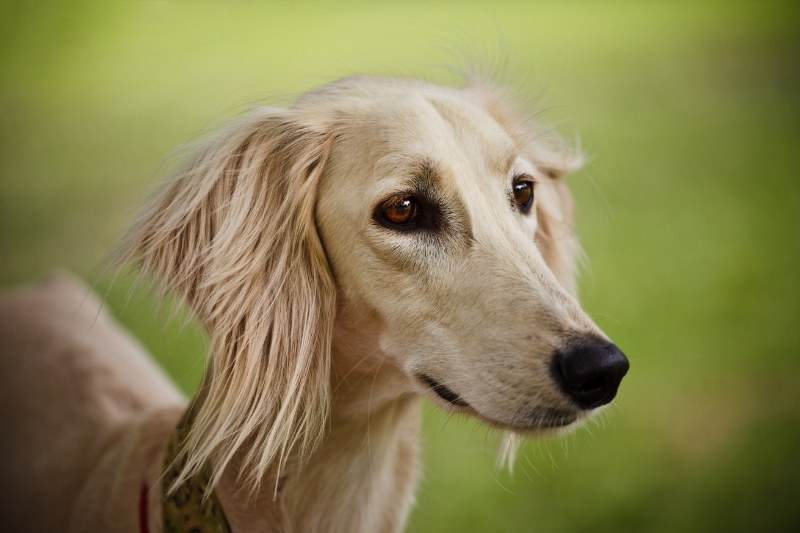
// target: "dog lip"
[[444, 393]]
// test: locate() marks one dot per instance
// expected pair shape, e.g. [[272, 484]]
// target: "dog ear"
[[233, 234], [555, 235]]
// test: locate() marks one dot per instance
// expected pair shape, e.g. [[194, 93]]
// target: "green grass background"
[[688, 211]]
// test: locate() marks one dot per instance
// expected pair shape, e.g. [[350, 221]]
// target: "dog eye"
[[523, 193], [399, 211]]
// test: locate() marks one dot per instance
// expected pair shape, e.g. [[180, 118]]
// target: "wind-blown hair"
[[233, 234]]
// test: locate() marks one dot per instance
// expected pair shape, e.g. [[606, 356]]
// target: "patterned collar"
[[191, 507]]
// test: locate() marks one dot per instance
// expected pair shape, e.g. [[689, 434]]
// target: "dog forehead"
[[446, 125], [398, 131]]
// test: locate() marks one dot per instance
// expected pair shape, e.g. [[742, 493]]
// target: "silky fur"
[[321, 321]]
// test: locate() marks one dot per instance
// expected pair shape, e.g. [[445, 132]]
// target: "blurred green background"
[[688, 211]]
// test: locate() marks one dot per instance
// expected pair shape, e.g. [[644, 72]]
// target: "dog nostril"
[[590, 372], [593, 384]]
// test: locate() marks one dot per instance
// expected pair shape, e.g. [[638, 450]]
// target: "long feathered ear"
[[233, 234], [541, 146]]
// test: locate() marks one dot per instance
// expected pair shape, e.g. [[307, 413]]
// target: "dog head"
[[430, 218], [447, 226]]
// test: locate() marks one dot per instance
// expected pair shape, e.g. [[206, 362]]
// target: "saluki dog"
[[377, 242]]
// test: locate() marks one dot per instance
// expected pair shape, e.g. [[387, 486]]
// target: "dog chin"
[[548, 422], [542, 419]]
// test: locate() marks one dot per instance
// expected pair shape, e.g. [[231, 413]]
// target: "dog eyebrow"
[[414, 170], [425, 171], [427, 179]]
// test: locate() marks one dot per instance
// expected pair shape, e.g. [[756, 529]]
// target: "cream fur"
[[87, 413], [321, 322]]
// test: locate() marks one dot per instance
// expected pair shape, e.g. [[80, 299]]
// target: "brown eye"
[[400, 211], [523, 195]]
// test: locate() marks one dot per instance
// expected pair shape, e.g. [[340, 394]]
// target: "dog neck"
[[190, 506], [362, 476]]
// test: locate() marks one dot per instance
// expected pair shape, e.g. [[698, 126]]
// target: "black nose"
[[590, 372]]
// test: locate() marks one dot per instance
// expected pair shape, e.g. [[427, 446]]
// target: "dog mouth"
[[540, 418], [444, 393]]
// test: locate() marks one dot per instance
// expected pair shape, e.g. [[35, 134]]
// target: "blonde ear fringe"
[[234, 235]]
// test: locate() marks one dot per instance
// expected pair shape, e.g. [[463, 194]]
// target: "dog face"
[[446, 231], [427, 224]]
